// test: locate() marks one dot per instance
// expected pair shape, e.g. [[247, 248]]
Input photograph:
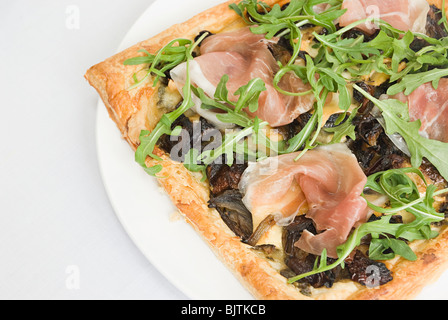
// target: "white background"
[[56, 220]]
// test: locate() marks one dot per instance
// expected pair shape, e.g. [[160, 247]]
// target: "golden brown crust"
[[136, 110]]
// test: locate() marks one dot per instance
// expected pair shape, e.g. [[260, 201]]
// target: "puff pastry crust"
[[137, 109]]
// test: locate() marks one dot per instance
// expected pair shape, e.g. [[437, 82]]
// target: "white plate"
[[173, 247]]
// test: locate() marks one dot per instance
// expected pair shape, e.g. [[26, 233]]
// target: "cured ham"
[[244, 56], [430, 106], [326, 181], [401, 14]]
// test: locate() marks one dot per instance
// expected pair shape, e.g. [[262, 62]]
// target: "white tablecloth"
[[59, 237]]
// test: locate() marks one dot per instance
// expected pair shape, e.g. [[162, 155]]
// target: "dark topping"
[[195, 134], [293, 232], [222, 177], [394, 219], [356, 33], [325, 279], [444, 209], [262, 228], [226, 198], [285, 6], [167, 143], [280, 52], [300, 262], [432, 173], [368, 272], [234, 213], [418, 44], [359, 268], [286, 44], [373, 148], [359, 97], [331, 122], [434, 29], [290, 130], [201, 34]]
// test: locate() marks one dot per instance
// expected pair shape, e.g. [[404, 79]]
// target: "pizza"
[[306, 141]]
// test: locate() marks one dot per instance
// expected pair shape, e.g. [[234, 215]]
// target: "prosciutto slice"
[[401, 14], [327, 181], [244, 56], [431, 107]]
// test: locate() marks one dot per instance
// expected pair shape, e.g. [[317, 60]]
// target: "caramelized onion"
[[262, 228], [233, 212]]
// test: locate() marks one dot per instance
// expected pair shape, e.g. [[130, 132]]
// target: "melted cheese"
[[273, 236], [332, 107]]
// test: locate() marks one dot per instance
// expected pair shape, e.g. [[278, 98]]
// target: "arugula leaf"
[[148, 139], [398, 247], [389, 52], [193, 164], [249, 95], [299, 140], [353, 48], [411, 82], [404, 194], [231, 143], [221, 93], [444, 19], [396, 116], [336, 83], [269, 21], [377, 248], [153, 171], [414, 73], [402, 51], [234, 112], [326, 18], [171, 55], [346, 129], [382, 42], [320, 93], [327, 81]]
